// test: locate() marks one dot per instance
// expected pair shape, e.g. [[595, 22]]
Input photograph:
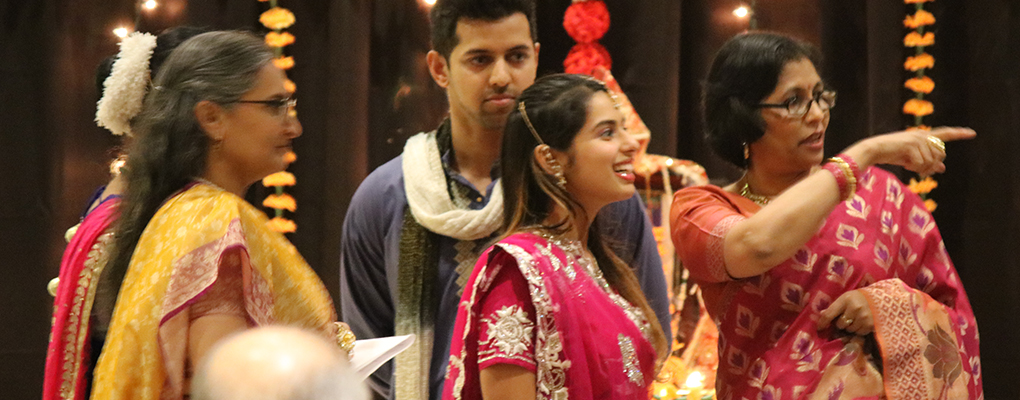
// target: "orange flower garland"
[[923, 84], [277, 19], [920, 84], [918, 108], [919, 19], [284, 63], [919, 62], [915, 39]]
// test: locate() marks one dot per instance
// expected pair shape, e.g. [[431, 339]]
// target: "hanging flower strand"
[[277, 19], [586, 21], [920, 84]]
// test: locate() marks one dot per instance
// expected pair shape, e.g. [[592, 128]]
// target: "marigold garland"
[[920, 84], [923, 84], [918, 108], [277, 19], [919, 62], [279, 39], [919, 19], [282, 225], [282, 178], [280, 202], [915, 39], [284, 63]]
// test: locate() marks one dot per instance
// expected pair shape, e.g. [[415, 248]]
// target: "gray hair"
[[171, 148]]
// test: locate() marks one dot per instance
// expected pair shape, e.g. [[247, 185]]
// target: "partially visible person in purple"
[[417, 225]]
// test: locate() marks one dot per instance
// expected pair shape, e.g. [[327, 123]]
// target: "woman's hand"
[[850, 312], [910, 149]]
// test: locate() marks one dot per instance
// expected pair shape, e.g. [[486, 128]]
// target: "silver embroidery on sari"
[[631, 364]]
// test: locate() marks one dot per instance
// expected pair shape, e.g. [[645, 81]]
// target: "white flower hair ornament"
[[125, 88]]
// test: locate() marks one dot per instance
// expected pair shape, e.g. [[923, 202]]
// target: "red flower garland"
[[586, 21], [585, 57]]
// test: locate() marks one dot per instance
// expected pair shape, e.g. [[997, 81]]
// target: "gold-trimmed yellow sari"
[[177, 260]]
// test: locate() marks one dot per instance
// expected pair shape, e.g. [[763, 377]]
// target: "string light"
[[150, 4], [429, 3], [741, 12], [121, 32]]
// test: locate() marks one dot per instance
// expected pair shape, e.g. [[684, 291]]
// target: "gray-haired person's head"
[[170, 149]]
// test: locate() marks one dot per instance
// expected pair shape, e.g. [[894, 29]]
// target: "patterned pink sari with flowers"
[[67, 358], [539, 304], [884, 242]]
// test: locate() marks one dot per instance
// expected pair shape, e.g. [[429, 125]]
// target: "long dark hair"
[[170, 149], [557, 106], [745, 70]]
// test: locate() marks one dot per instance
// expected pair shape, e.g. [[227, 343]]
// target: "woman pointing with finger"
[[827, 280]]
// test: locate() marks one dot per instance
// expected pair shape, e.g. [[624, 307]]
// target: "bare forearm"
[[775, 233]]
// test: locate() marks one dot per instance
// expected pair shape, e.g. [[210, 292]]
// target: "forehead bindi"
[[797, 76], [499, 36]]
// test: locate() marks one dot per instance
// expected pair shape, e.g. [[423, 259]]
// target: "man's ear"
[[210, 117], [537, 46], [438, 68]]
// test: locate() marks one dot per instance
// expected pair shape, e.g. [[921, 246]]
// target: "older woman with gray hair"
[[192, 261]]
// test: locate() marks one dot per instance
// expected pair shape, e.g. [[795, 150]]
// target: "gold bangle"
[[848, 173]]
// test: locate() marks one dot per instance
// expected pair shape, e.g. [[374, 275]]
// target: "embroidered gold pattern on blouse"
[[550, 365], [509, 330], [631, 364]]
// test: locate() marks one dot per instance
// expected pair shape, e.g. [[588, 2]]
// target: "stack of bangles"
[[345, 338], [847, 174]]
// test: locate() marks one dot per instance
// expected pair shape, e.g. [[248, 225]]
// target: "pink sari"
[[67, 358], [884, 242], [587, 342]]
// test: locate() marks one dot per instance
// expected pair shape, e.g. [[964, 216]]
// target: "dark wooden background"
[[363, 90]]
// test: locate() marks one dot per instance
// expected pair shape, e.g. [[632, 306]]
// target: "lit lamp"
[[747, 11], [150, 4], [695, 382], [121, 32]]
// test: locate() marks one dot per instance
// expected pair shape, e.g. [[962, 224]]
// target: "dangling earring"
[[557, 169], [561, 180]]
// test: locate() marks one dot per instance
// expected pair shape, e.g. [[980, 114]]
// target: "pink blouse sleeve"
[[507, 320]]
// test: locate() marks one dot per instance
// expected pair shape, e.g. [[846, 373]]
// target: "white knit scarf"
[[430, 201]]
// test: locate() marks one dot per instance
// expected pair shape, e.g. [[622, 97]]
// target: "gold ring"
[[938, 143], [345, 338]]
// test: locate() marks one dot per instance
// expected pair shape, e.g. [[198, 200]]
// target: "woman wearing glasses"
[[827, 280], [192, 261]]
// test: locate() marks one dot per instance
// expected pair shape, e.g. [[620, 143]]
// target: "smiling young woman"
[[549, 308]]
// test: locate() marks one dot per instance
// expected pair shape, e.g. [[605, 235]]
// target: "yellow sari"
[[177, 260]]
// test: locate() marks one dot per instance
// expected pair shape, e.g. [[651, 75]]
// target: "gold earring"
[[557, 169]]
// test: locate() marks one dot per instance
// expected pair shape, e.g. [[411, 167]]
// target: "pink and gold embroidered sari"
[[883, 241], [177, 260], [68, 357], [538, 304]]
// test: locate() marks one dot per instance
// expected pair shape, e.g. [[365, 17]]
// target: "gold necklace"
[[757, 198]]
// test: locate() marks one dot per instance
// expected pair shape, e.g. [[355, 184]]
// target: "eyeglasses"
[[797, 107], [278, 107]]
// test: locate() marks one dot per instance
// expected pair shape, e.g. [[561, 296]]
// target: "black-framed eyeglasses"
[[798, 107], [278, 107]]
